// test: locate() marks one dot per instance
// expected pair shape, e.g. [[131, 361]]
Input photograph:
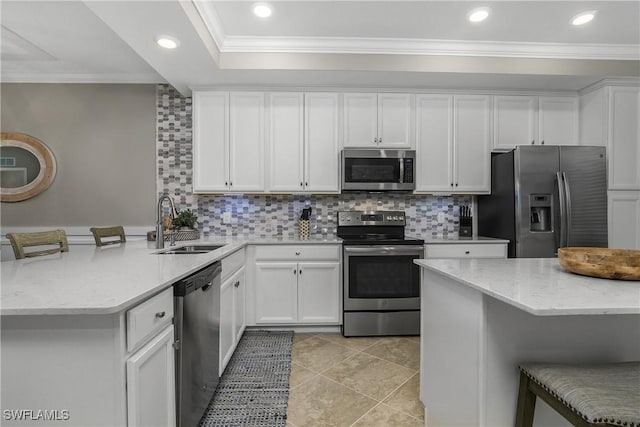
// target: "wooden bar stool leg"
[[526, 403]]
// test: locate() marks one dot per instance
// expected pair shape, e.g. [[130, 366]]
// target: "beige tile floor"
[[363, 382]]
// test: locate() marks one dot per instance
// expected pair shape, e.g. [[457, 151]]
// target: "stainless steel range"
[[381, 283]]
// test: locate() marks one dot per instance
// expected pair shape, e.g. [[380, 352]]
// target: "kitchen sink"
[[190, 249]]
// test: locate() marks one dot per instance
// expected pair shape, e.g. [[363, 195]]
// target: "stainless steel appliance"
[[378, 170], [381, 283], [197, 328], [546, 197]]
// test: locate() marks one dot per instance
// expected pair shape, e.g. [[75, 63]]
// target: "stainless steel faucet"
[[159, 224]]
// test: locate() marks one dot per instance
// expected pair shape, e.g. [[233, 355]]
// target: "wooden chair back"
[[19, 241], [100, 233]]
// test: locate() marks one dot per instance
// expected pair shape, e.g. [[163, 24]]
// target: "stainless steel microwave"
[[378, 170]]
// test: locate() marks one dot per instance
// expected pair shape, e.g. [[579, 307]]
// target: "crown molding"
[[393, 46], [124, 78], [212, 22]]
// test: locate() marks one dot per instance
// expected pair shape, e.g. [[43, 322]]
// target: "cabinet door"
[[360, 127], [151, 397], [239, 317], [246, 141], [322, 143], [434, 143], [276, 295], [514, 122], [318, 292], [395, 120], [227, 338], [210, 141], [623, 148], [624, 219], [472, 143], [286, 135], [557, 120]]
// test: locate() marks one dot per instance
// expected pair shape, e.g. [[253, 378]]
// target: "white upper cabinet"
[[557, 120], [286, 141], [383, 120], [532, 120], [321, 143], [228, 142], [472, 143], [210, 141], [623, 138], [453, 143], [304, 143], [434, 143], [246, 141]]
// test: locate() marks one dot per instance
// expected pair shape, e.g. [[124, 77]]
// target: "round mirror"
[[27, 167]]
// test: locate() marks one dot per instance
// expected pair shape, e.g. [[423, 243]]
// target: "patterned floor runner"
[[254, 388]]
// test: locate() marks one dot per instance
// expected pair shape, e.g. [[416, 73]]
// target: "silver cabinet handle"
[[532, 142], [467, 252], [301, 184], [236, 284], [297, 253], [542, 142], [300, 272], [379, 140], [306, 184], [160, 314], [295, 271]]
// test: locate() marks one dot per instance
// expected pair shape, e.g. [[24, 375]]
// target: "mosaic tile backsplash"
[[276, 215]]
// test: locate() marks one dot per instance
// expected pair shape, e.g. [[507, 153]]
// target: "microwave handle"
[[401, 170]]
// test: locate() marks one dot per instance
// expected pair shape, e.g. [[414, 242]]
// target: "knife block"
[[466, 230], [304, 229]]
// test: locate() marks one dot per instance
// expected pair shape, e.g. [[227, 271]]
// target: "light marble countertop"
[[468, 240], [110, 279], [540, 286], [90, 280]]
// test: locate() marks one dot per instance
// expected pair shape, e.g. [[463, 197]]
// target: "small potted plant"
[[185, 220]]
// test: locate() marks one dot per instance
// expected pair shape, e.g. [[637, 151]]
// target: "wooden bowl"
[[621, 264]]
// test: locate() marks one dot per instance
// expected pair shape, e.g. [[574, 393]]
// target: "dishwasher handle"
[[201, 279]]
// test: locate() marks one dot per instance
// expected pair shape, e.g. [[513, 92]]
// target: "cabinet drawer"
[[457, 250], [147, 318], [295, 252], [232, 263]]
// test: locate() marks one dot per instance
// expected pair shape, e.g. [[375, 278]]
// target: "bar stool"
[[99, 233], [19, 241], [586, 395]]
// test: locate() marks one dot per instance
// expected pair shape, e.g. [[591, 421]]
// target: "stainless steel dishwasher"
[[197, 329]]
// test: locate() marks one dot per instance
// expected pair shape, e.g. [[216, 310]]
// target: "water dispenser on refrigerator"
[[540, 218]]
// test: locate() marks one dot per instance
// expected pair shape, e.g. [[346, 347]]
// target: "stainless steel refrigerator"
[[546, 197]]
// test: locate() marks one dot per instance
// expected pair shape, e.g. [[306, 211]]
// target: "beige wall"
[[103, 138]]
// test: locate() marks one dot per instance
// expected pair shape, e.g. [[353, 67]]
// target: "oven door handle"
[[374, 250]]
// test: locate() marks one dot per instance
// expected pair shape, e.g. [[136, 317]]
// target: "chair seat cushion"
[[599, 393]]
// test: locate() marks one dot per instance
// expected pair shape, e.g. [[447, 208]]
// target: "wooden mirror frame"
[[47, 167]]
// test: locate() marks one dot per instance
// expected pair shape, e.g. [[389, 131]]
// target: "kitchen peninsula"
[[482, 317]]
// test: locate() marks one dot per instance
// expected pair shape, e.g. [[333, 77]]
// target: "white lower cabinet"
[[232, 306], [81, 365], [151, 383], [297, 285], [466, 250], [624, 219]]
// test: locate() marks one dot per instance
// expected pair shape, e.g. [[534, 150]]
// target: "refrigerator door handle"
[[563, 210], [567, 195]]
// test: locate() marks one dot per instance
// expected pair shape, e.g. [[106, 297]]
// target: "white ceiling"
[[391, 44]]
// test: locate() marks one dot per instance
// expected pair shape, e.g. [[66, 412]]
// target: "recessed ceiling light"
[[262, 10], [167, 42], [478, 15], [584, 17]]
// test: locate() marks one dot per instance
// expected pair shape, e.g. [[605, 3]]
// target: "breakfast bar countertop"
[[540, 286]]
